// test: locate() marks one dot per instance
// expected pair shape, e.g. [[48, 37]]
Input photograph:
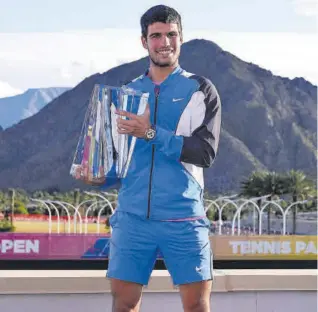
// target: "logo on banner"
[[261, 247], [19, 246]]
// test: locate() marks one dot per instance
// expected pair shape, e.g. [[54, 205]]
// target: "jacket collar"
[[176, 72]]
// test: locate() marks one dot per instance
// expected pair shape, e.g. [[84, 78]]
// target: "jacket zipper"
[[153, 153]]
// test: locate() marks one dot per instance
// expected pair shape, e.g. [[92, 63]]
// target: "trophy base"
[[78, 172]]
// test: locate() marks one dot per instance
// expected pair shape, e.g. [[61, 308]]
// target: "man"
[[160, 202]]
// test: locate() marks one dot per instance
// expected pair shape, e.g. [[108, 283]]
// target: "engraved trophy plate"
[[101, 150]]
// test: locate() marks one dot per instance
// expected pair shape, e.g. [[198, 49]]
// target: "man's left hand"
[[136, 125]]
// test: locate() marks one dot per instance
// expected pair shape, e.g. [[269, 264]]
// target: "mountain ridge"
[[15, 108], [258, 113]]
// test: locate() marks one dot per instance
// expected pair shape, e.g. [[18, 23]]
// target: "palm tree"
[[262, 183], [299, 186], [273, 185], [254, 184], [253, 187]]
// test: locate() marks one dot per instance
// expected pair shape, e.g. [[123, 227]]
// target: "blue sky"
[[60, 43], [225, 15]]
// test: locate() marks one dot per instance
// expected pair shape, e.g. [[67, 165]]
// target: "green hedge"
[[5, 226], [19, 208]]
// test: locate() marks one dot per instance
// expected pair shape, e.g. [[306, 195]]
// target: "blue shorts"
[[135, 243]]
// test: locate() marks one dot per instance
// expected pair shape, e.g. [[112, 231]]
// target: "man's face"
[[163, 43]]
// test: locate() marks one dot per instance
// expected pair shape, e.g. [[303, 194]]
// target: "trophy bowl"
[[101, 151]]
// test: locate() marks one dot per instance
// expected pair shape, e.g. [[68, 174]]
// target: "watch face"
[[151, 134]]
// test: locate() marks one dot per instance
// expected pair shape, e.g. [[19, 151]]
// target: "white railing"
[[220, 204]]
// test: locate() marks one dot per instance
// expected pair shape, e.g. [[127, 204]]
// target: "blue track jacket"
[[165, 178]]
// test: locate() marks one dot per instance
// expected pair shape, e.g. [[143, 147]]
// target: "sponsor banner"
[[94, 246], [264, 247], [50, 246]]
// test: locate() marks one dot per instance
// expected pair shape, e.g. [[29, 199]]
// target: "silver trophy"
[[101, 151]]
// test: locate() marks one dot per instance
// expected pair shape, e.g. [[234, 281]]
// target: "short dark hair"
[[159, 13]]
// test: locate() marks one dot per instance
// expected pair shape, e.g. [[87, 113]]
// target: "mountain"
[[268, 122], [18, 107]]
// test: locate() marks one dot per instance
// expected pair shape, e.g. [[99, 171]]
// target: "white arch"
[[87, 211], [211, 202], [58, 215], [289, 208], [263, 209], [238, 213], [67, 212], [227, 201], [75, 212], [49, 210], [84, 202], [101, 196], [98, 217], [256, 199]]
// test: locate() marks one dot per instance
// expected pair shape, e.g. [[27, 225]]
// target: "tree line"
[[289, 187]]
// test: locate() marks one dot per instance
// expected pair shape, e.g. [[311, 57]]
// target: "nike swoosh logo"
[[176, 100]]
